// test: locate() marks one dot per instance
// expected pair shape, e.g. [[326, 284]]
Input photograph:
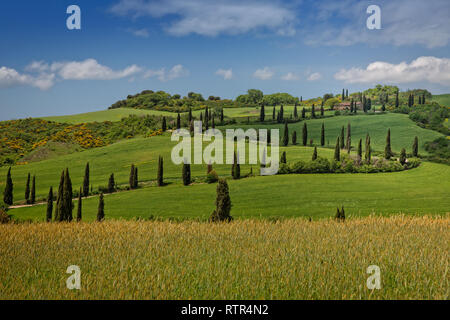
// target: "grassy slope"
[[412, 192], [403, 130], [294, 259], [443, 99]]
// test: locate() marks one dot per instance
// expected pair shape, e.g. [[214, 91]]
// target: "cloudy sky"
[[219, 48]]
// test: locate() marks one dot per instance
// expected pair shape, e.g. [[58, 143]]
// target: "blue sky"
[[221, 48]]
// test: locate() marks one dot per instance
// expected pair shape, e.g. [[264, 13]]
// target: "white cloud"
[[431, 69], [11, 78], [142, 33], [90, 69], [43, 75], [176, 71], [263, 74], [211, 18], [226, 74], [403, 22], [290, 77], [314, 76]]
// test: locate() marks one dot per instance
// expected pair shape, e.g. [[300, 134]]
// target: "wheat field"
[[245, 259]]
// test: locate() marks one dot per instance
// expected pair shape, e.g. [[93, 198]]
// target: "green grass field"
[[443, 99], [315, 195]]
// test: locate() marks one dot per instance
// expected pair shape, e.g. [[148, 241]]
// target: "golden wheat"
[[247, 259]]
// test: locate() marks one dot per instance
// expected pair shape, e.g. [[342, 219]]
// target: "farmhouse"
[[346, 105]]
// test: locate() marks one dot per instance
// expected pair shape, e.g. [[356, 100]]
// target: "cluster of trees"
[[255, 97]]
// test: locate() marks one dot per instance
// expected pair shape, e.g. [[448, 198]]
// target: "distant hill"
[[442, 99]]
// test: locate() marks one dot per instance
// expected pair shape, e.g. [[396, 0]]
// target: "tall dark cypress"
[[8, 192], [178, 121], [262, 114], [186, 174], [281, 113], [348, 141], [343, 95], [160, 176], [305, 134], [79, 207], [221, 115], [190, 115], [164, 124], [33, 191], [286, 134], [283, 158], [273, 114], [360, 151], [322, 112], [294, 138], [313, 111], [59, 215], [48, 216], [303, 113], [223, 203], [415, 147], [131, 179], [101, 208], [368, 153], [86, 181], [423, 98], [67, 197], [27, 189], [111, 184], [314, 155], [402, 158], [396, 99], [136, 177], [341, 140], [337, 151], [387, 148], [295, 112]]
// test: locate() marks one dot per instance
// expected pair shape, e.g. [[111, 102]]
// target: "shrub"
[[212, 177]]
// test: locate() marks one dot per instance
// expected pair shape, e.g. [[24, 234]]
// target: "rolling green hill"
[[442, 99]]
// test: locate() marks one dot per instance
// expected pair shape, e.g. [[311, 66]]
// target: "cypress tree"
[[213, 125], [295, 112], [101, 208], [8, 192], [209, 168], [349, 136], [111, 184], [322, 135], [79, 207], [321, 110], [273, 114], [423, 98], [403, 156], [305, 134], [223, 203], [314, 156], [341, 140], [283, 157], [359, 150], [281, 113], [262, 114], [346, 93], [191, 128], [160, 178], [383, 107], [59, 200], [131, 179], [86, 181], [415, 147], [48, 216], [337, 151], [67, 197], [294, 138], [27, 189], [368, 154], [387, 149], [221, 115], [186, 174], [190, 115], [286, 134], [236, 168], [164, 124], [420, 100], [396, 100], [303, 113], [33, 191], [178, 121], [343, 95], [136, 178]]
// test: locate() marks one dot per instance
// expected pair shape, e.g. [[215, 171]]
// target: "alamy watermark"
[[213, 153]]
